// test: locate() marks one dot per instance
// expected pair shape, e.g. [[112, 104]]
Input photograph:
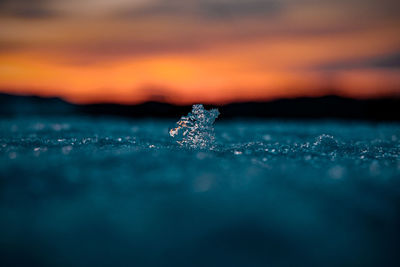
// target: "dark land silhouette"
[[334, 107]]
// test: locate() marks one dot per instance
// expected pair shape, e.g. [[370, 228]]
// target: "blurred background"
[[183, 52]]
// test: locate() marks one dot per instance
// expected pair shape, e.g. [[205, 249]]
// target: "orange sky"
[[199, 50]]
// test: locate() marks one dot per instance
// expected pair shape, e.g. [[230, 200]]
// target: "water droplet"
[[201, 155], [267, 137], [203, 183], [12, 155], [66, 150], [336, 172]]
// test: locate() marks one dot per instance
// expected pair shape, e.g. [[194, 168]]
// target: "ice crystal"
[[196, 129]]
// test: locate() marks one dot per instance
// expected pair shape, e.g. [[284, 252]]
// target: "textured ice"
[[196, 129], [105, 191]]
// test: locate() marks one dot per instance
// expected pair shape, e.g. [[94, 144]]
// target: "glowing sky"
[[199, 50]]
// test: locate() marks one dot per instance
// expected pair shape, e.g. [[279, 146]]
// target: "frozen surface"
[[86, 191]]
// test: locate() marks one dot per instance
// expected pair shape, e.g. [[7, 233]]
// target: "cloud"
[[207, 9], [235, 9], [95, 30], [386, 61], [26, 9], [114, 50], [7, 46]]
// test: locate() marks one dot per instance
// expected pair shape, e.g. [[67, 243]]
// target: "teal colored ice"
[[83, 191]]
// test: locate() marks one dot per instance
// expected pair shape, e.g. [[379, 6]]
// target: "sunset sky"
[[185, 51]]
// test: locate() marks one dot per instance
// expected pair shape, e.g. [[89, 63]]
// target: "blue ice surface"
[[82, 191]]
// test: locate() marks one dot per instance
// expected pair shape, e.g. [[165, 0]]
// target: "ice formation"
[[196, 129]]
